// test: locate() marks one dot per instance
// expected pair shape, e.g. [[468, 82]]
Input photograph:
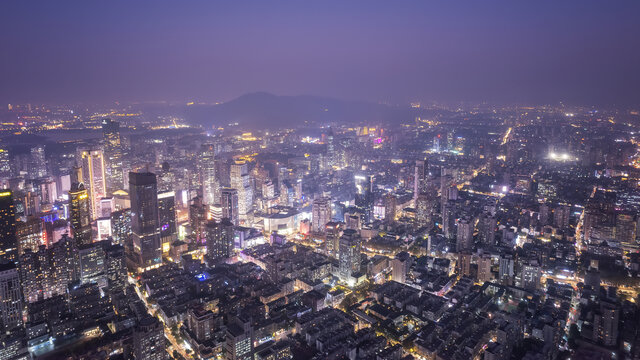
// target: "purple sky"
[[581, 52]]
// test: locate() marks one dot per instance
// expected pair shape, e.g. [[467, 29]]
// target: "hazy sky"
[[535, 51]]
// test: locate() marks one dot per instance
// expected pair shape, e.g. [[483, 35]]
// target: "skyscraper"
[[148, 340], [38, 165], [220, 237], [210, 185], [321, 214], [10, 298], [241, 181], [230, 204], [349, 253], [94, 177], [145, 227], [8, 238], [464, 240], [419, 178], [113, 154], [80, 214], [390, 203], [167, 217]]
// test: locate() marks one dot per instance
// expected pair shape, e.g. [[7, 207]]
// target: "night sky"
[[579, 52]]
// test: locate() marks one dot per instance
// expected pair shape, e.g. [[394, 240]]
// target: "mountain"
[[264, 110]]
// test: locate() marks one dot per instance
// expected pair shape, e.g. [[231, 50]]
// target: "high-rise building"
[[38, 164], [220, 238], [241, 181], [333, 232], [167, 217], [30, 234], [91, 264], [8, 238], [400, 267], [390, 203], [121, 226], [530, 275], [487, 229], [419, 178], [463, 265], [80, 214], [505, 270], [320, 214], [464, 240], [230, 205], [115, 268], [207, 165], [94, 177], [197, 218], [10, 298], [148, 340], [349, 250], [424, 209], [484, 268], [145, 226], [113, 154], [5, 163]]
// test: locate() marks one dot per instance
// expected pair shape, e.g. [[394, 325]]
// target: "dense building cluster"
[[486, 233]]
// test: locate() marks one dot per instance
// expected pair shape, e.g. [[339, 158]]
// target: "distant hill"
[[266, 110]]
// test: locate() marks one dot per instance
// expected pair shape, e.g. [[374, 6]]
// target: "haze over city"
[[331, 180]]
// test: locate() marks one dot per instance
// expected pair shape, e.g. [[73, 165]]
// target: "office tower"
[[333, 232], [201, 323], [5, 163], [349, 253], [487, 229], [220, 238], [115, 268], [94, 177], [197, 218], [400, 267], [239, 340], [145, 227], [30, 234], [38, 164], [148, 340], [167, 217], [207, 165], [419, 178], [484, 268], [10, 298], [230, 205], [113, 154], [448, 211], [241, 181], [320, 214], [352, 220], [390, 203], [215, 212], [80, 214], [31, 203], [91, 262], [464, 240], [121, 226], [8, 239]]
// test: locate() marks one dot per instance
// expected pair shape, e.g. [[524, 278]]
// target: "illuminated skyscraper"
[[38, 165], [349, 253], [210, 185], [241, 181], [5, 163], [113, 154], [419, 178], [167, 217], [94, 177], [321, 214], [464, 240], [79, 214], [230, 205], [148, 340], [8, 238], [145, 226]]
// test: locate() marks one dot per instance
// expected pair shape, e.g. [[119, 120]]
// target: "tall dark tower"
[[145, 224], [8, 238], [113, 154], [80, 214]]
